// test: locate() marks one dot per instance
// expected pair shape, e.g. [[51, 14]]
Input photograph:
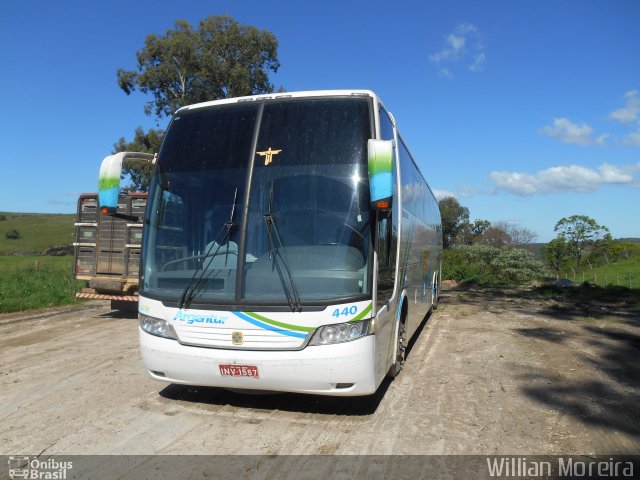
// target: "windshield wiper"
[[189, 292], [290, 288]]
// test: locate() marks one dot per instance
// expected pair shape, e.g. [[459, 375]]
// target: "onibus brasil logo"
[[34, 468]]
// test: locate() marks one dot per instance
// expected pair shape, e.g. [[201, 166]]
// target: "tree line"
[[488, 253], [457, 229], [496, 252], [581, 240]]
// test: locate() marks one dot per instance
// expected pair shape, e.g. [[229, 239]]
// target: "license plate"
[[239, 371]]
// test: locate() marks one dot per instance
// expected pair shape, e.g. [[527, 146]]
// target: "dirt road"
[[488, 374]]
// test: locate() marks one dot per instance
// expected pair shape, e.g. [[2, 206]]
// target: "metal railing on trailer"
[[107, 250]]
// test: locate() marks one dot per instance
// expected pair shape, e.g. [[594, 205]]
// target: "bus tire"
[[401, 346], [436, 291]]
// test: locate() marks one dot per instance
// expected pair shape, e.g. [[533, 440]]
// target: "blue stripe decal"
[[265, 326]]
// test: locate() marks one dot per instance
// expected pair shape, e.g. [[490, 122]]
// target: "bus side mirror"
[[380, 159], [109, 178]]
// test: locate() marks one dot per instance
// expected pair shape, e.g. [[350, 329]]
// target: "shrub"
[[13, 234], [36, 282], [492, 266]]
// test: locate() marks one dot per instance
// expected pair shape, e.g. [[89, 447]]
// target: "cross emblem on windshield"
[[268, 155]]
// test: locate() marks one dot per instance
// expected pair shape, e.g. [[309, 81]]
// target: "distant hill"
[[629, 240], [38, 232]]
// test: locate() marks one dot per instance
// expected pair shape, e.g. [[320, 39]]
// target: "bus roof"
[[267, 96]]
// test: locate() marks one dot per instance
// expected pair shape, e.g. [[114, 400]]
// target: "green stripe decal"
[[105, 183], [362, 314], [279, 324], [300, 328]]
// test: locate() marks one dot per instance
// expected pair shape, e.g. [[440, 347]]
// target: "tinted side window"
[[386, 127], [412, 198], [170, 231]]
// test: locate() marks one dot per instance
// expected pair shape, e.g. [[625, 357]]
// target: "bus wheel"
[[401, 349], [435, 292], [434, 297]]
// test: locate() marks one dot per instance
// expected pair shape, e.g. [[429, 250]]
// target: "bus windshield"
[[262, 203]]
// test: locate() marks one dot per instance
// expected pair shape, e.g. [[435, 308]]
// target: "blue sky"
[[525, 111]]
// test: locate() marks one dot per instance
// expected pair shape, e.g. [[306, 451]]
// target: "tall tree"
[[495, 236], [219, 59], [479, 226], [601, 249], [455, 219], [520, 236], [555, 253], [470, 233], [580, 233], [506, 234]]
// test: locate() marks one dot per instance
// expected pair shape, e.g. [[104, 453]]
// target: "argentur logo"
[[192, 318], [25, 467]]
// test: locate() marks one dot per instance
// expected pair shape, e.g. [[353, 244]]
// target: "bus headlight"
[[156, 326], [341, 332]]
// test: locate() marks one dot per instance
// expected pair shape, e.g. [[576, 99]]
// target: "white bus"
[[290, 244]]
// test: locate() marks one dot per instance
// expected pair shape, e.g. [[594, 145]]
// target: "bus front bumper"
[[343, 369]]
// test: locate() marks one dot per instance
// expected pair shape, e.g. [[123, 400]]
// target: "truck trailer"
[[107, 250]]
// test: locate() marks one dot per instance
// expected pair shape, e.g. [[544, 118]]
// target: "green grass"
[[25, 285], [624, 273], [37, 232]]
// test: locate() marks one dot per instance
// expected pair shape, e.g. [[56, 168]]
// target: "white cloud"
[[444, 72], [478, 62], [564, 130], [601, 139], [568, 132], [456, 42], [621, 175], [571, 178], [462, 45], [633, 139], [628, 113], [468, 191], [440, 194]]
